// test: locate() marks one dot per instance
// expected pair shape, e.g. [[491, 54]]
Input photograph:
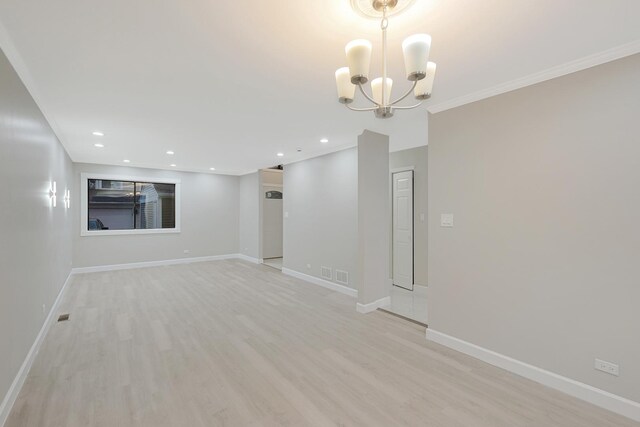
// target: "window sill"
[[86, 233]]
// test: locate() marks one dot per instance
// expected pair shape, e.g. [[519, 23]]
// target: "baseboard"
[[18, 381], [321, 282], [373, 306], [599, 58], [113, 267], [420, 289], [249, 258], [593, 395]]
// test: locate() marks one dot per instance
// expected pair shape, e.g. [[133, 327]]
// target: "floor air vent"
[[342, 277], [325, 273], [63, 317]]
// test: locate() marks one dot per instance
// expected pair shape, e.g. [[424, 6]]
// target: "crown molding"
[[608, 55]]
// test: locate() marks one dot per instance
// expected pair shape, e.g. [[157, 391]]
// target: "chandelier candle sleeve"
[[416, 54], [376, 89], [346, 89], [425, 86], [359, 60]]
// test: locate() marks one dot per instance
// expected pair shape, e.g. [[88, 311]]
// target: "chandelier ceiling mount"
[[373, 9]]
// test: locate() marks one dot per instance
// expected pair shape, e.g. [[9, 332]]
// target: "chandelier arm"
[[365, 94], [360, 109], [407, 107], [406, 94]]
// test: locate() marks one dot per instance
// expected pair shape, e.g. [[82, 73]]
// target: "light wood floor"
[[230, 343]]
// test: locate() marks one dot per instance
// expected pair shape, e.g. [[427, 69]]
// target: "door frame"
[[413, 224], [262, 198]]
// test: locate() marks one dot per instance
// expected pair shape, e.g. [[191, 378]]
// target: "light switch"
[[446, 220], [286, 214], [422, 217]]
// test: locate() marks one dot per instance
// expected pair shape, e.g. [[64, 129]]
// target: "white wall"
[[35, 248], [249, 206], [209, 226], [542, 262], [416, 157], [321, 202], [271, 176]]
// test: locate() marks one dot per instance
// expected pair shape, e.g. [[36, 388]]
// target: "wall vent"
[[325, 273], [63, 317], [342, 277]]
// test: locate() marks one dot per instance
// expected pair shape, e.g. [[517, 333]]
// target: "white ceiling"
[[229, 84]]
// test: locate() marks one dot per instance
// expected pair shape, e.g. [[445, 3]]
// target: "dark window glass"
[[128, 205], [155, 205], [273, 195]]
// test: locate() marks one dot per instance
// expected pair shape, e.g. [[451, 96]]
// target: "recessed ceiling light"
[[98, 145], [173, 165], [324, 140], [212, 169], [126, 161], [171, 153], [280, 154], [97, 133]]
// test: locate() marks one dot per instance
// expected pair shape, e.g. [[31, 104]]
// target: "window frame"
[[84, 204]]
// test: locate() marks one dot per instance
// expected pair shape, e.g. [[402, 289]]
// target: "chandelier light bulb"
[[376, 89], [416, 54], [346, 89], [359, 60], [425, 86]]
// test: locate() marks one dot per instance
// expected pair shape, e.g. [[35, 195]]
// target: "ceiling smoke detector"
[[373, 8]]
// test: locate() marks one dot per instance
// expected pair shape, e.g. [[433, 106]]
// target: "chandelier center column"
[[383, 26]]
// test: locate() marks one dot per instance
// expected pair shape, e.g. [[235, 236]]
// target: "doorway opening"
[[408, 297], [272, 193]]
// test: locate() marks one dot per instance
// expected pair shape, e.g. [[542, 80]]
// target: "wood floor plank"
[[229, 343]]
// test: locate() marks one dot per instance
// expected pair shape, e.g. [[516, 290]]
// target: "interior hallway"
[[232, 343], [273, 262]]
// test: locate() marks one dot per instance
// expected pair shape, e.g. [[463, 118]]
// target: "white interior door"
[[403, 229], [272, 222]]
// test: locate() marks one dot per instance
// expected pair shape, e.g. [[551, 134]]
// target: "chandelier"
[[416, 61]]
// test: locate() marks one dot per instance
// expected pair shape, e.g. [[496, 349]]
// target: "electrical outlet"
[[309, 266], [186, 251], [44, 308], [607, 367]]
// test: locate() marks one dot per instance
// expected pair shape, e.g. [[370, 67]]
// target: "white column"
[[373, 221]]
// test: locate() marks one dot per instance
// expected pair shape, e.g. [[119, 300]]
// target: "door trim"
[[413, 224], [403, 169]]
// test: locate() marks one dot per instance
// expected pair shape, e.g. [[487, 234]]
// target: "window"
[[116, 205], [273, 195]]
